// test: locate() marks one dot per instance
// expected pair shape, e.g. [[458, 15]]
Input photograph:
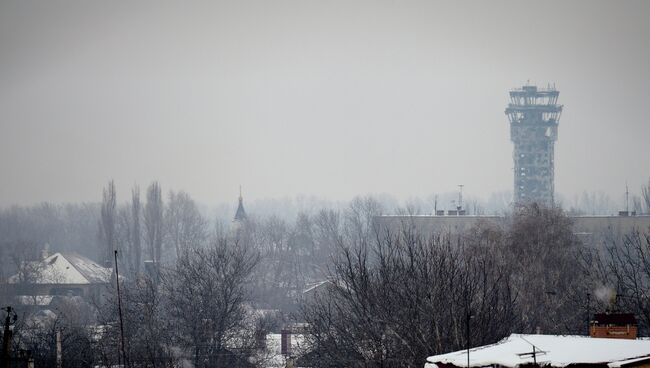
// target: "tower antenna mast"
[[627, 198]]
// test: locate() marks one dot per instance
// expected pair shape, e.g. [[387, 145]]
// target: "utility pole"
[[435, 205], [6, 340], [59, 350], [588, 314], [119, 309]]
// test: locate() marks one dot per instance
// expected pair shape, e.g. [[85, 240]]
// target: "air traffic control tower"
[[534, 116]]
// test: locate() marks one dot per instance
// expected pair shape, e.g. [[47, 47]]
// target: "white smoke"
[[605, 294]]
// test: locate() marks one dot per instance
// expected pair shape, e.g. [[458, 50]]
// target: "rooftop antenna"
[[460, 196], [627, 197], [435, 204], [536, 351]]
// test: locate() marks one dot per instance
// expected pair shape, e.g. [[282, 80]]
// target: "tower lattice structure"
[[534, 116]]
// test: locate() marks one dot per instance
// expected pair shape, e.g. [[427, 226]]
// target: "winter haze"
[[325, 98]]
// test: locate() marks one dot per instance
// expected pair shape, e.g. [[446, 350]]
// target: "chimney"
[[46, 251], [285, 340], [260, 339], [152, 270], [613, 326]]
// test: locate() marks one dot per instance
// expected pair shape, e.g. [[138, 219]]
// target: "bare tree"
[[153, 221], [360, 218], [545, 255], [637, 204], [398, 298], [184, 224], [71, 320], [136, 212], [22, 269], [108, 219], [147, 329], [124, 237], [66, 227], [305, 244], [207, 290], [623, 268], [645, 193]]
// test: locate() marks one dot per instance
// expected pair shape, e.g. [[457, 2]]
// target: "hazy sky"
[[326, 98]]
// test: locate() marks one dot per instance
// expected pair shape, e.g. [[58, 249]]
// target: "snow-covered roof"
[[37, 300], [68, 268], [38, 321], [315, 286], [552, 350], [93, 272]]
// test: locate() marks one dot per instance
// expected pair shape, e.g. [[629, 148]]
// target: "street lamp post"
[[469, 316]]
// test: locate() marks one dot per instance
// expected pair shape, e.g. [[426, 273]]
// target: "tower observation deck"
[[534, 116]]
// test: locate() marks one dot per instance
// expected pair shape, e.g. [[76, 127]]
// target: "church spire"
[[240, 215]]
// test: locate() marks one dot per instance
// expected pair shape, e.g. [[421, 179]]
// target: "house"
[[60, 274], [518, 350]]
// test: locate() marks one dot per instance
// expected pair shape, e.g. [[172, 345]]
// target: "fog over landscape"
[[327, 99], [324, 184]]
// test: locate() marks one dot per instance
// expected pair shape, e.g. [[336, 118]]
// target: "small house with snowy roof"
[[64, 274]]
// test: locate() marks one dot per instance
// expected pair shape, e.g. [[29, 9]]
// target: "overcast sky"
[[325, 98]]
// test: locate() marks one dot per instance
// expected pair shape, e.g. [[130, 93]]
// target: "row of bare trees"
[[600, 203], [148, 227], [394, 302], [621, 275], [294, 254], [154, 231], [398, 295], [26, 231]]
